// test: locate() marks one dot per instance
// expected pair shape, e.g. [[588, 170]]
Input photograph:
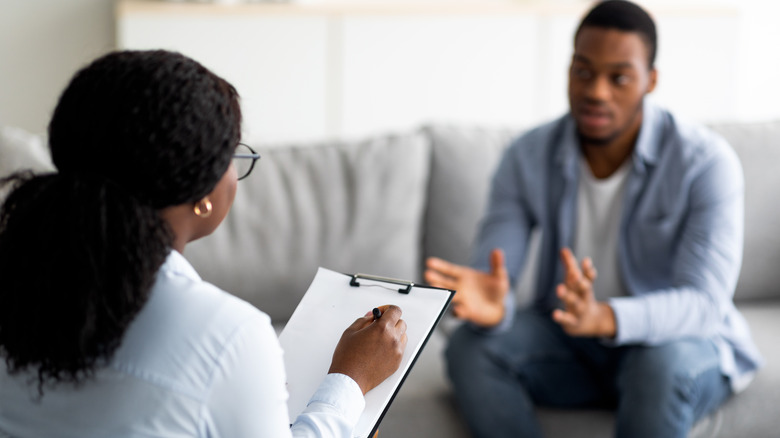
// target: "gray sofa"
[[384, 204]]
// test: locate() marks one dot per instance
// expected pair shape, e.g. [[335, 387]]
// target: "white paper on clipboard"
[[329, 306]]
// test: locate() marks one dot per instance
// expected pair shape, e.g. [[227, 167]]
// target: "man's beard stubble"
[[606, 140]]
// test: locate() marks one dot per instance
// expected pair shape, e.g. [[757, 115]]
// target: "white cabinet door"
[[279, 64], [400, 71], [316, 72]]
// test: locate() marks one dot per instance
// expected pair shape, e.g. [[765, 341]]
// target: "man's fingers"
[[457, 299], [497, 262], [578, 281], [434, 278], [458, 310], [565, 319], [588, 269], [584, 288], [571, 299], [443, 267], [570, 266], [563, 294]]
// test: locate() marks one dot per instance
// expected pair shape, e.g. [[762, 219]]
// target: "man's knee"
[[679, 382], [465, 353], [671, 366]]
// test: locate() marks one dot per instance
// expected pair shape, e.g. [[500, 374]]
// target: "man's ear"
[[652, 80]]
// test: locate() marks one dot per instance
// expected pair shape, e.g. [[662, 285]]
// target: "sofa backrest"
[[463, 159], [20, 150], [384, 204], [352, 207], [758, 148]]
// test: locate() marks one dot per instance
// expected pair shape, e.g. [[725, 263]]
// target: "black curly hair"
[[134, 132], [624, 16]]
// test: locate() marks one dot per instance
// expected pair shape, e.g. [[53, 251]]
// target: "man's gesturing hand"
[[480, 295], [582, 315]]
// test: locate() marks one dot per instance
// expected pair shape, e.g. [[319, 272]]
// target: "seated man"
[[657, 207]]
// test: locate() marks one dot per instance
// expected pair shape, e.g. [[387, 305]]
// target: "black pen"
[[377, 313]]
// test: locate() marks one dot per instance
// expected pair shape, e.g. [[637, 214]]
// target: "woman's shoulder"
[[186, 326], [179, 285]]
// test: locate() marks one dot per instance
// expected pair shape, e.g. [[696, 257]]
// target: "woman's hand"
[[370, 350]]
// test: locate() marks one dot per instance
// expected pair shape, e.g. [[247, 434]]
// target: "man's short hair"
[[624, 16]]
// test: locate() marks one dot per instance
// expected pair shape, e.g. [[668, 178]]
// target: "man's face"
[[608, 79]]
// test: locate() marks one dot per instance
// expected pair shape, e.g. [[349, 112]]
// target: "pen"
[[377, 313]]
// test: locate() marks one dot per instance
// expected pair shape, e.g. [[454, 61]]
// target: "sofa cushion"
[[463, 161], [756, 145], [21, 150], [350, 207]]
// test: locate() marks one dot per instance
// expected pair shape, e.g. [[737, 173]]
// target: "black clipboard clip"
[[409, 285]]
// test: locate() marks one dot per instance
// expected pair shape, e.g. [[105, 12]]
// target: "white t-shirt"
[[196, 362], [599, 212]]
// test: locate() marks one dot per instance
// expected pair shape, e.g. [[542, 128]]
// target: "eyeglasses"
[[244, 160]]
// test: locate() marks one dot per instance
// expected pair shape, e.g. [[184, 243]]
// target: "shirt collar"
[[178, 265], [649, 141], [569, 151]]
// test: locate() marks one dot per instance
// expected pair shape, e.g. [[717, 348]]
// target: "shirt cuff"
[[341, 393], [631, 320]]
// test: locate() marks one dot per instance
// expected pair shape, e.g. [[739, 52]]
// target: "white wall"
[[758, 63], [42, 43]]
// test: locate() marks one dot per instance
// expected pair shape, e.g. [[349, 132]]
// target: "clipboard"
[[333, 302]]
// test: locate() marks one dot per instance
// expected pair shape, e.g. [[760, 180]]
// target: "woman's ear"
[[203, 208]]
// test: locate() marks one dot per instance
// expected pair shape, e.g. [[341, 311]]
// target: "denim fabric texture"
[[657, 391]]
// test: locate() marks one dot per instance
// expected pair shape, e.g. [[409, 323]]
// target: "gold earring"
[[203, 208]]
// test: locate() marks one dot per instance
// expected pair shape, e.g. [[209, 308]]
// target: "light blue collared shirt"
[[680, 238], [195, 362]]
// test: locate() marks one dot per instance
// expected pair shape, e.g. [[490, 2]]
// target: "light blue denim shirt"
[[680, 239]]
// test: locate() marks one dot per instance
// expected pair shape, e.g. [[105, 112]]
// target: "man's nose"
[[599, 88]]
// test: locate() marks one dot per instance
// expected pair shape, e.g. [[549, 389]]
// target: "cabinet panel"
[[399, 71], [279, 64], [322, 71]]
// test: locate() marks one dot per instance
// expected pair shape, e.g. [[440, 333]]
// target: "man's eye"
[[621, 79], [582, 73]]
